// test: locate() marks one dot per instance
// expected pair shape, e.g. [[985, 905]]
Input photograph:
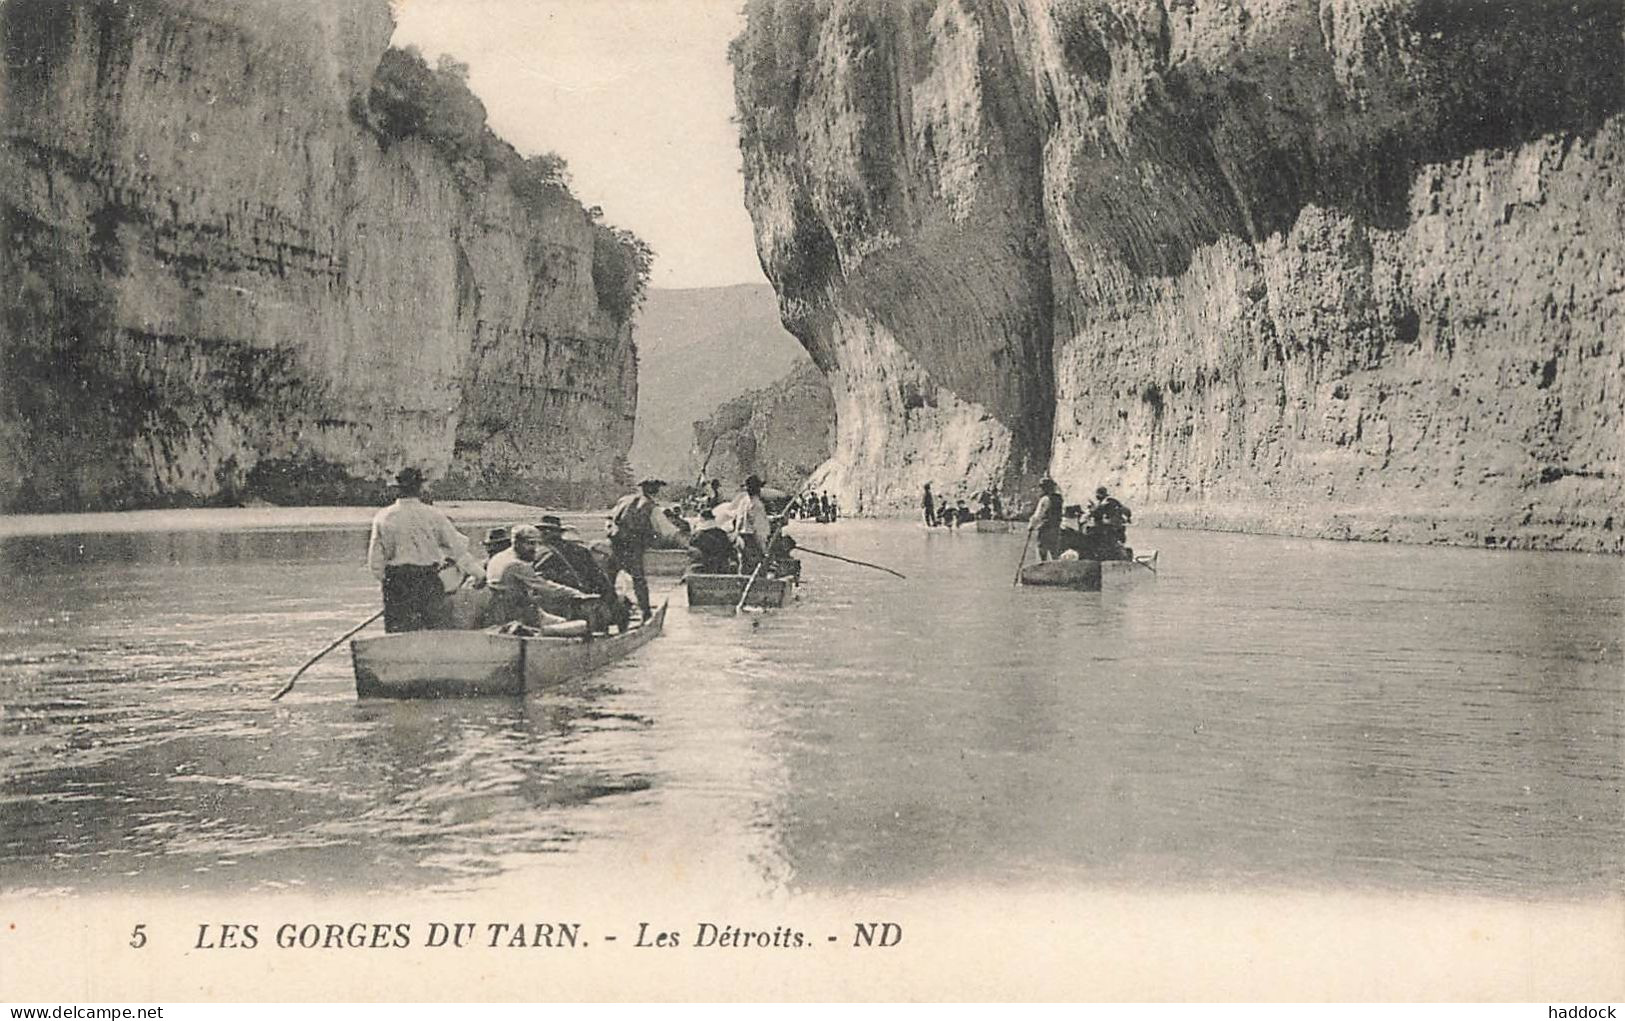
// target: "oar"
[[746, 594], [1023, 561], [312, 660], [849, 560]]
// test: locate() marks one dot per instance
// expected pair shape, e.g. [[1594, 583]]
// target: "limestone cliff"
[[1347, 268], [781, 432], [222, 280]]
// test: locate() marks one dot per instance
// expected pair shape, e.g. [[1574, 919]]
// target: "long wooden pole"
[[746, 594], [312, 660], [849, 560], [1023, 561]]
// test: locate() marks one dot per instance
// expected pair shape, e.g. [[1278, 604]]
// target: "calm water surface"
[[1265, 711]]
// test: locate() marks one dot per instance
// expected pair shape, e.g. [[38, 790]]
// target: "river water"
[[1264, 712]]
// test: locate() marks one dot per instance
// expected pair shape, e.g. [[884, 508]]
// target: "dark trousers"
[[628, 557], [1049, 542], [750, 553], [412, 598], [930, 518]]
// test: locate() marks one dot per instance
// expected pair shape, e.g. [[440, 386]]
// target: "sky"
[[636, 95]]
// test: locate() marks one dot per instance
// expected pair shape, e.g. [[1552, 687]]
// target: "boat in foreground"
[[459, 663], [726, 590], [1087, 575]]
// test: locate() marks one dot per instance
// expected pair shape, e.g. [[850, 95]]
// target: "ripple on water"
[[1264, 711]]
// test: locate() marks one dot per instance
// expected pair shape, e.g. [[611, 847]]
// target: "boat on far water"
[[458, 663]]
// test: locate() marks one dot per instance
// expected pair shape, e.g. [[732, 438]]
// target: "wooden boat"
[[1144, 565], [1087, 575], [448, 663], [725, 590]]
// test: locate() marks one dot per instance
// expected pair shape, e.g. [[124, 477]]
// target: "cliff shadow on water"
[[255, 252]]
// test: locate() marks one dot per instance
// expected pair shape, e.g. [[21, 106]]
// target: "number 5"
[[138, 936]]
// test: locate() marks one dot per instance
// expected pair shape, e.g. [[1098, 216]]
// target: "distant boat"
[[458, 663], [665, 563], [1087, 575], [726, 590]]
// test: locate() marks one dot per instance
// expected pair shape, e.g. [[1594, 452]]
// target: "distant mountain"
[[698, 348], [782, 432]]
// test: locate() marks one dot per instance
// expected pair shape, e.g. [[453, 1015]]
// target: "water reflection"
[[1266, 711]]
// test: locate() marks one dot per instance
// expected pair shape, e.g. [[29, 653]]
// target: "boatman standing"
[[410, 541], [631, 531], [1046, 520], [752, 525]]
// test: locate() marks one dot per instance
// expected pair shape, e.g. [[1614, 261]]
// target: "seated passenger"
[[1110, 518], [1072, 533], [780, 564], [496, 540], [519, 593], [572, 564]]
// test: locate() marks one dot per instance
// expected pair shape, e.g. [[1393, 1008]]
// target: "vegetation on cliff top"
[[409, 99]]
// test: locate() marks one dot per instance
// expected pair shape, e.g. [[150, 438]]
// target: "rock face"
[[218, 283], [697, 348], [1348, 269], [781, 432]]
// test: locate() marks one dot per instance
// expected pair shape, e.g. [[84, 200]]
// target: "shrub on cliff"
[[410, 100]]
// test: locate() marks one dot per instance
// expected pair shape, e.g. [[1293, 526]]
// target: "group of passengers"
[[535, 576], [1063, 534]]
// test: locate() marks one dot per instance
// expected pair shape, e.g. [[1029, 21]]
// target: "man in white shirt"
[[410, 541]]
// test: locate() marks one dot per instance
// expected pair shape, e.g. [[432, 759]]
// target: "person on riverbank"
[[1073, 537], [930, 507], [631, 533], [710, 547], [1046, 520], [566, 562], [410, 542], [519, 593], [752, 525]]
